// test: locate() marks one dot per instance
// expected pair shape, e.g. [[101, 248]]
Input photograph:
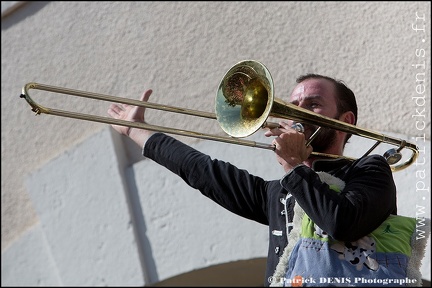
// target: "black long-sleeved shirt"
[[368, 198]]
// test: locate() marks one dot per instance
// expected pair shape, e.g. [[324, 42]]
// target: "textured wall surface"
[[181, 50]]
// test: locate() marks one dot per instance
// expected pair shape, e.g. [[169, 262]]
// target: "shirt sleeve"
[[368, 198], [233, 188]]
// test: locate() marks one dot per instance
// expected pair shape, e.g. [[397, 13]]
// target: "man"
[[366, 198]]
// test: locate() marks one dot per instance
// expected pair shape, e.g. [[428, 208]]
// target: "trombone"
[[244, 101]]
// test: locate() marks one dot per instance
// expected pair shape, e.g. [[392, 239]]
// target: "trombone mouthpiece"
[[298, 127]]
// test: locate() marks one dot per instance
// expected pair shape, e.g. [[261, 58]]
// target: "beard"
[[325, 139]]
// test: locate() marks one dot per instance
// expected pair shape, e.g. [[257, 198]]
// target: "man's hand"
[[133, 114], [290, 145]]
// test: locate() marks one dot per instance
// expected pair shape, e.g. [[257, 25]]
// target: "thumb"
[[146, 95], [309, 150]]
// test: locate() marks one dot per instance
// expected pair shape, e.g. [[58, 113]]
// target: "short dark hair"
[[346, 100]]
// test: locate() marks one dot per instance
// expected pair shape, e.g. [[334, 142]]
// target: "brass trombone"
[[244, 101]]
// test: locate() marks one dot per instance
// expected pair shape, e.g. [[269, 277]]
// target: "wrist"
[[139, 136], [287, 166]]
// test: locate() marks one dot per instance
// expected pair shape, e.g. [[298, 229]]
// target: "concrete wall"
[[81, 207]]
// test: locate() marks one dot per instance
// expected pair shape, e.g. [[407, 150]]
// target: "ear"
[[348, 117]]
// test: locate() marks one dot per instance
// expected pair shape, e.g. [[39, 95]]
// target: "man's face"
[[319, 96]]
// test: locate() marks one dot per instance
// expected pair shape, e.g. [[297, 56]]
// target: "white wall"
[[103, 222]]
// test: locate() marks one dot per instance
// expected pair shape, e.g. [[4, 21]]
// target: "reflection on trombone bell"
[[244, 101]]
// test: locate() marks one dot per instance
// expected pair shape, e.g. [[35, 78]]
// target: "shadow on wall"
[[243, 273], [246, 273], [20, 11]]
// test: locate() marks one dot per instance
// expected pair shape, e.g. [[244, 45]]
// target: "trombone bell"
[[244, 99]]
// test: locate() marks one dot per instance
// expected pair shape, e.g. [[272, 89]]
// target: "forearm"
[[233, 188]]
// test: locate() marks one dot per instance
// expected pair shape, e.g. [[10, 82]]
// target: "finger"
[[112, 113], [274, 143], [272, 132], [292, 126], [146, 95], [285, 125], [277, 142], [275, 132], [113, 110], [309, 150], [116, 108]]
